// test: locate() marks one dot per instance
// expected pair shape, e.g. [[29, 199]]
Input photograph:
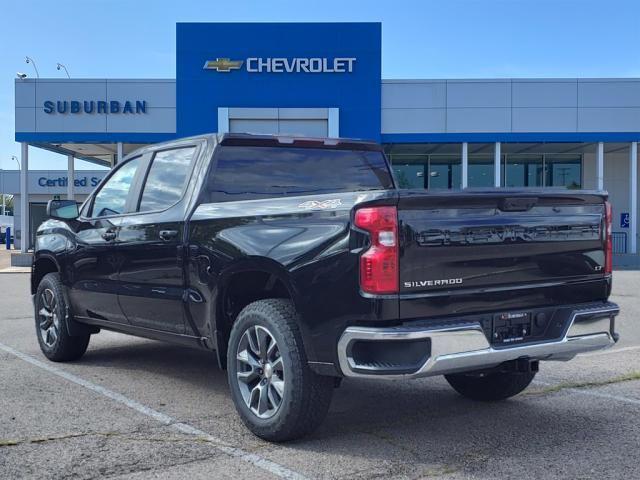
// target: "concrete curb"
[[15, 270], [21, 259], [626, 262]]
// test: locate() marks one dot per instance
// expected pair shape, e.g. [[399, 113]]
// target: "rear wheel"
[[51, 307], [275, 392], [490, 387]]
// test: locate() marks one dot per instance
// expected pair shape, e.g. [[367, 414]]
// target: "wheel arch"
[[42, 265], [244, 283]]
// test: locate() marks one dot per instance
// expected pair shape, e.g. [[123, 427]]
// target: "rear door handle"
[[109, 235], [167, 235]]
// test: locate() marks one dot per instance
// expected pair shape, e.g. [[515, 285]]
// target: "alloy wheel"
[[260, 371], [48, 320]]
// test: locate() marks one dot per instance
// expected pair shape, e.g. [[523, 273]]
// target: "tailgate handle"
[[517, 204]]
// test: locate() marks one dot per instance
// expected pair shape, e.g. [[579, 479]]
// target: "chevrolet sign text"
[[284, 65], [297, 65]]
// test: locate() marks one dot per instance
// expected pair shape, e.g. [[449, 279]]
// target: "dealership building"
[[324, 79]]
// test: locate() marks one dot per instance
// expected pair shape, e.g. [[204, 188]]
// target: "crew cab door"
[[95, 260], [151, 238]]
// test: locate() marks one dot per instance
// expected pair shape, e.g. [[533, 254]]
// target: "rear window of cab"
[[254, 172]]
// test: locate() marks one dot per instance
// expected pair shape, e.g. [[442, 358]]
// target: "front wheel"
[[275, 392], [490, 387], [51, 307]]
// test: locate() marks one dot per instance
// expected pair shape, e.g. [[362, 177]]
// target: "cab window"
[[111, 199], [248, 173], [166, 179]]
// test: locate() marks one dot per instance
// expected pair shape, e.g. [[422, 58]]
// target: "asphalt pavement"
[[135, 408]]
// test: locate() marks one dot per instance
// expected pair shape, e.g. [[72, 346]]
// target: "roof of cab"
[[263, 140], [250, 139]]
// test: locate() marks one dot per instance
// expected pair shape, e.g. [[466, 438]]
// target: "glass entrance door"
[[37, 215]]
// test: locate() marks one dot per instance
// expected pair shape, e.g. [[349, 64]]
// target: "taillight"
[[379, 263], [608, 245]]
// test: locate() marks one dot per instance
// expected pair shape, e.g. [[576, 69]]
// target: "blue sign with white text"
[[62, 181], [279, 65]]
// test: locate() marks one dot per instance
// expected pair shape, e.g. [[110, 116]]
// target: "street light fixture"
[[30, 60], [17, 161], [61, 65]]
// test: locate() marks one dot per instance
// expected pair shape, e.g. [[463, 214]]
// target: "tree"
[[8, 205]]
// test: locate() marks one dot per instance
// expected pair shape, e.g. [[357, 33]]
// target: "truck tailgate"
[[491, 250]]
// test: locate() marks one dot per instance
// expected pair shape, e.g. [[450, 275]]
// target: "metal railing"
[[619, 240]]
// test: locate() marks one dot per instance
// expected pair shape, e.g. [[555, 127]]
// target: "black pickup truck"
[[299, 262]]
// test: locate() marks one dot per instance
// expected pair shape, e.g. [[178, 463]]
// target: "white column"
[[333, 123], [24, 198], [496, 165], [3, 199], [120, 154], [464, 182], [223, 120], [633, 197], [600, 166], [71, 175]]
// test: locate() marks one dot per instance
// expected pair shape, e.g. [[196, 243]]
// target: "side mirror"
[[62, 209]]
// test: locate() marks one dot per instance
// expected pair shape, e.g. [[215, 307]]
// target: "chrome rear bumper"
[[465, 347]]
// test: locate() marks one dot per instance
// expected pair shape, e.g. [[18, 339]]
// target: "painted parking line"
[[591, 393], [252, 458]]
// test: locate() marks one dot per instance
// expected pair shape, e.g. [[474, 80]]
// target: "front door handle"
[[167, 235], [109, 235]]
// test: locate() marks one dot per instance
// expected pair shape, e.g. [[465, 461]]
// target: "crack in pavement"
[[121, 435], [629, 377], [53, 438]]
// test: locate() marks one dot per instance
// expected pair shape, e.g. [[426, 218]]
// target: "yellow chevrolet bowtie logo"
[[223, 64]]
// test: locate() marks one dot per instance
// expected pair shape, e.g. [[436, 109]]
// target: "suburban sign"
[[94, 106], [284, 65]]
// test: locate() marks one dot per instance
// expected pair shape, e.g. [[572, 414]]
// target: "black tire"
[[63, 347], [307, 396], [490, 387]]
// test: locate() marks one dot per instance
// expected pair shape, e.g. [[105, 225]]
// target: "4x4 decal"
[[320, 205]]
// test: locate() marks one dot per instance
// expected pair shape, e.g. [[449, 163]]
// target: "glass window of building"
[[426, 165], [563, 171], [445, 171], [523, 170], [409, 170], [438, 166], [480, 171]]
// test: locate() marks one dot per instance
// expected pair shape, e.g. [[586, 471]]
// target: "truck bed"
[[487, 250]]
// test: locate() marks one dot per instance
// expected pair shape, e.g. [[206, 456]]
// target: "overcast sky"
[[420, 39]]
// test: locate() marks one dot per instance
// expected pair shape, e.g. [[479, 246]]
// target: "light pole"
[[30, 60], [62, 66], [3, 198], [13, 157]]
